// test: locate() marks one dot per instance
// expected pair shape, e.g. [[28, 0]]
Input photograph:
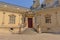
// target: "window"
[[48, 19], [12, 19], [43, 5], [56, 3], [34, 1]]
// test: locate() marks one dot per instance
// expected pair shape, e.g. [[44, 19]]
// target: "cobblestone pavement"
[[42, 36]]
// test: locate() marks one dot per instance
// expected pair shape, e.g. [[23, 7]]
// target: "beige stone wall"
[[1, 17], [55, 20], [6, 18], [49, 2], [5, 28]]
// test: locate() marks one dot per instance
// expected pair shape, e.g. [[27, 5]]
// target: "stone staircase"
[[29, 31]]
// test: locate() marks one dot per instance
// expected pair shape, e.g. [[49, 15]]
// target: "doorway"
[[30, 22]]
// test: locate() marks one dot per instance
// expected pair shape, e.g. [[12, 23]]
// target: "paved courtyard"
[[42, 36], [30, 34]]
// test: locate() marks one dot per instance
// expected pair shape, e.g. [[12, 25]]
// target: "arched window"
[[48, 19], [12, 19]]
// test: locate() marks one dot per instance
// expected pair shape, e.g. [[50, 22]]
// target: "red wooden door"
[[30, 22]]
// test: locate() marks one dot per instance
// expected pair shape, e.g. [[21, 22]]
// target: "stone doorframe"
[[30, 16], [30, 22]]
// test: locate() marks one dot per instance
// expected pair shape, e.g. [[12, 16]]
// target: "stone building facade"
[[43, 17]]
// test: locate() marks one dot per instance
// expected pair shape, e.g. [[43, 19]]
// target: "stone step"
[[29, 31]]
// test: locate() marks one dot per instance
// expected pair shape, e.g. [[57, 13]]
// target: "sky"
[[24, 3]]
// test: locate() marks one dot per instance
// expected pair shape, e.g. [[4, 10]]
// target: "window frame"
[[12, 19], [48, 19]]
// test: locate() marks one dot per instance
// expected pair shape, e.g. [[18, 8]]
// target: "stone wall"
[[54, 26], [5, 26]]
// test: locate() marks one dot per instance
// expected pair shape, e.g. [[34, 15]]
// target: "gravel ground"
[[42, 36]]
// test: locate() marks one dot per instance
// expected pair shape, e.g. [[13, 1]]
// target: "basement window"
[[11, 29], [48, 28]]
